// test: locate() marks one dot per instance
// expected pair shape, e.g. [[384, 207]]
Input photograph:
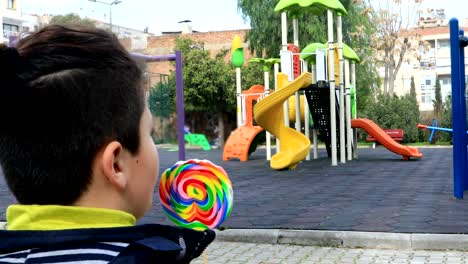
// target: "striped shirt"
[[90, 253]]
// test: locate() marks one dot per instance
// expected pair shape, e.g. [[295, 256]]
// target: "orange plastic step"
[[238, 144]]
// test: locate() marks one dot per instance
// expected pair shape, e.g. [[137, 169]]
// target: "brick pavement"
[[250, 253]]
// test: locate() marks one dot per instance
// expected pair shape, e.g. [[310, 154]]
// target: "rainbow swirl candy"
[[196, 194]]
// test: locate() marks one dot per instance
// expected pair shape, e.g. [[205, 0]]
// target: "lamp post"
[[115, 2]]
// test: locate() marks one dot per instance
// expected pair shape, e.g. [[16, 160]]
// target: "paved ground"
[[225, 252], [378, 192]]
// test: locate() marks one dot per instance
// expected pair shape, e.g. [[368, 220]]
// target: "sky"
[[157, 15]]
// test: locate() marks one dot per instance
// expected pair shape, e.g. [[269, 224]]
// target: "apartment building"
[[133, 39], [10, 18], [15, 23], [432, 61]]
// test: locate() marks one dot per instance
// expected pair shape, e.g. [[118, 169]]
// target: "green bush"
[[395, 113]]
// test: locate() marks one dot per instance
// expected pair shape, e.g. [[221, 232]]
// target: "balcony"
[[427, 65]]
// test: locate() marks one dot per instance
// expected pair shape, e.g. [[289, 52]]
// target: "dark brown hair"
[[65, 93]]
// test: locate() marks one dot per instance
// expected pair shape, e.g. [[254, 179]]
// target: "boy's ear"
[[113, 164]]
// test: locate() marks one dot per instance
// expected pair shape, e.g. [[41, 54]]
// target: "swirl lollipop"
[[196, 194]]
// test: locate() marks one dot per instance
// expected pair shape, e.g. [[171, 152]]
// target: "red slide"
[[375, 131]]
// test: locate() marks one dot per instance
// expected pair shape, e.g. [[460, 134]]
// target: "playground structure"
[[197, 140], [331, 108], [238, 144], [330, 104], [458, 42], [383, 138], [294, 146], [434, 127]]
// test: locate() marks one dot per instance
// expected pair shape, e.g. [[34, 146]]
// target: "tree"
[[209, 83], [253, 75], [446, 118], [394, 38], [357, 28], [437, 102], [71, 19], [413, 88]]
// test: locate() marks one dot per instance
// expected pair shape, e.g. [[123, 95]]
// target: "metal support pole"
[[331, 76], [341, 92], [353, 82], [349, 130], [284, 46], [180, 105], [458, 110], [275, 72], [266, 82], [238, 97]]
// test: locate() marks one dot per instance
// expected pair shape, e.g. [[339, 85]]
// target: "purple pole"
[[179, 92], [180, 104], [12, 40]]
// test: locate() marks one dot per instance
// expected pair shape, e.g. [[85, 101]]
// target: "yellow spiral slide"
[[269, 114]]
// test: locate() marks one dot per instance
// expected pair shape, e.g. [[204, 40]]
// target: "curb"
[[347, 239]]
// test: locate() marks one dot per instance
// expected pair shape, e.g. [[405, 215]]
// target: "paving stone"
[[264, 253]]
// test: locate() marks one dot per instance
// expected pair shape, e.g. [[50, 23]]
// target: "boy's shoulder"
[[136, 244]]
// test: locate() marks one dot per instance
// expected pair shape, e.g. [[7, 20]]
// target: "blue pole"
[[458, 120], [180, 105], [463, 107], [443, 129]]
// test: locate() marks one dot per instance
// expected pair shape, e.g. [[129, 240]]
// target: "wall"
[[214, 41]]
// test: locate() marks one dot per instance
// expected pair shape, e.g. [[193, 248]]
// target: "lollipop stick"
[[205, 257]]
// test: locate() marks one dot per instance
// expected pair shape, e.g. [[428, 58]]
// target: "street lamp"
[[115, 2]]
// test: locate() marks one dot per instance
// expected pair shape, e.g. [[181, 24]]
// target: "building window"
[[427, 64], [427, 89], [445, 86], [406, 83], [443, 43], [10, 30], [445, 80], [443, 62], [11, 4]]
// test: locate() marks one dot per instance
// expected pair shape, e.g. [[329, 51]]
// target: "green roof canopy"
[[311, 48], [267, 63], [314, 7], [348, 53]]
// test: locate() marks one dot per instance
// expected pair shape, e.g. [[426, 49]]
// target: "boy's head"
[[75, 124]]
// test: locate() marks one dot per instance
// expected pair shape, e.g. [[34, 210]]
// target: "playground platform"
[[379, 192]]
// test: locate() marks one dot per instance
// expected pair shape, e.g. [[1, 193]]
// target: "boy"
[[77, 153]]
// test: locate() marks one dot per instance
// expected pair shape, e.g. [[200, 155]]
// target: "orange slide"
[[269, 114], [375, 131], [238, 144]]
